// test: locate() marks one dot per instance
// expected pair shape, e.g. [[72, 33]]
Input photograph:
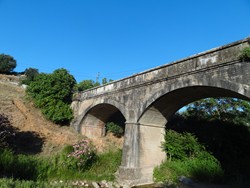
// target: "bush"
[[83, 153], [114, 128], [53, 94], [7, 63], [245, 54], [187, 157], [181, 146]]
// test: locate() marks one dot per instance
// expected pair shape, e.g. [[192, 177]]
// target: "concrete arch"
[[96, 116], [213, 87], [181, 97]]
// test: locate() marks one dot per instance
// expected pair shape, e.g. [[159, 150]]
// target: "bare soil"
[[48, 136]]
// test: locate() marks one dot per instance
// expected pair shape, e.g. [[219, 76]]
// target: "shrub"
[[83, 154], [187, 157], [114, 128], [181, 145], [245, 54], [53, 93]]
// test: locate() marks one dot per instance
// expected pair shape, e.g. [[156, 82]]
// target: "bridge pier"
[[139, 155], [129, 170]]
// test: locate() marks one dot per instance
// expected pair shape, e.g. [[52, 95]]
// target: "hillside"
[[38, 134], [23, 115]]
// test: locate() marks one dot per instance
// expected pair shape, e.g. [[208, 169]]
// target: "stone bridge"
[[144, 102]]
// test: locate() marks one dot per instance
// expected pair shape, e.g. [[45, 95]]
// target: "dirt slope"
[[23, 115], [29, 120]]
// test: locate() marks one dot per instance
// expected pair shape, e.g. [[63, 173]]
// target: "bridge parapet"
[[205, 60]]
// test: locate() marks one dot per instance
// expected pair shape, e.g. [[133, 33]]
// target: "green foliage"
[[202, 168], [57, 111], [105, 166], [84, 154], [245, 55], [181, 146], [223, 109], [17, 166], [105, 81], [229, 142], [30, 74], [87, 84], [52, 93], [7, 63], [186, 157], [60, 166], [114, 128], [11, 183]]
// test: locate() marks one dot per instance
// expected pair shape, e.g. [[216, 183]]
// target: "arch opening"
[[156, 116], [94, 123], [160, 114]]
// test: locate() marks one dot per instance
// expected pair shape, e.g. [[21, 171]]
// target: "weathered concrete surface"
[[147, 100]]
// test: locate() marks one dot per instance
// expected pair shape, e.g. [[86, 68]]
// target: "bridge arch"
[[196, 87], [96, 116], [156, 115]]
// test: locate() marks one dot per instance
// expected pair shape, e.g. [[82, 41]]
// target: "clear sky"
[[116, 38]]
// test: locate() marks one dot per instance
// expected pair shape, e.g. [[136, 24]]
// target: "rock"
[[95, 185]]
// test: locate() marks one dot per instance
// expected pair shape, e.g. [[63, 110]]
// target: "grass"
[[205, 170], [36, 169]]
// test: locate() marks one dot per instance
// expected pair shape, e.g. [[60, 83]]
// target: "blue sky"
[[116, 38]]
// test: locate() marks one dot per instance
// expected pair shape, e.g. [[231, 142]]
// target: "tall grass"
[[202, 169], [58, 167]]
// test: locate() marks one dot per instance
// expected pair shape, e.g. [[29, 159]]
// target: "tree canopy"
[[30, 74], [88, 84], [7, 63], [232, 110]]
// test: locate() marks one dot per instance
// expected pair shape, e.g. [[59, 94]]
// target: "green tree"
[[87, 84], [30, 74], [53, 94], [223, 109], [7, 63], [105, 81]]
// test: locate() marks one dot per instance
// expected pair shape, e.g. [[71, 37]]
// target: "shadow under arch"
[[156, 115], [94, 120]]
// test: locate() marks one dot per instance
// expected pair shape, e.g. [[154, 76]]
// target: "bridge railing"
[[206, 60]]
